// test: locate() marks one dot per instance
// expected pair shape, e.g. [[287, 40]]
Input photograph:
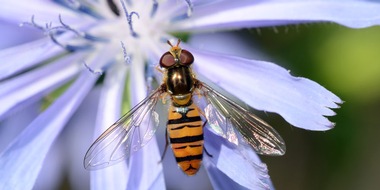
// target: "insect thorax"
[[180, 84], [179, 80]]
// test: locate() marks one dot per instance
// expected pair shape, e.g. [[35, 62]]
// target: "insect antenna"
[[171, 45], [178, 41]]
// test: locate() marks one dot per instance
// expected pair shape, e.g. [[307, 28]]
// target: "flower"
[[119, 38]]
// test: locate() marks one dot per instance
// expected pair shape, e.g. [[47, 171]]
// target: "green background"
[[346, 62]]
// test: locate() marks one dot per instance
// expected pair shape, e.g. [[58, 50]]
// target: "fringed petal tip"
[[269, 87], [325, 105]]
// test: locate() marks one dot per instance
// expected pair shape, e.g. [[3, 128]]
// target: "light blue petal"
[[167, 10], [247, 14], [229, 168], [109, 109], [269, 87], [241, 46], [51, 175], [31, 86], [145, 170], [76, 137], [23, 159], [44, 11], [18, 121], [22, 57], [12, 34]]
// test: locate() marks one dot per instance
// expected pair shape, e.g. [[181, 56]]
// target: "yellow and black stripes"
[[186, 137]]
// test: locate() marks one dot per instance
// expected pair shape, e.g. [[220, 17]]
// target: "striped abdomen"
[[186, 137]]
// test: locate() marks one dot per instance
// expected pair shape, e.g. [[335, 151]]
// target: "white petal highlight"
[[266, 86]]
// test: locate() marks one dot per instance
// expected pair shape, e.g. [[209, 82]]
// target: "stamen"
[[154, 8], [97, 72], [127, 58], [55, 31], [68, 47], [84, 35], [32, 23], [129, 18]]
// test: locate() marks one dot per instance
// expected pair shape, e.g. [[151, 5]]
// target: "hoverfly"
[[184, 126]]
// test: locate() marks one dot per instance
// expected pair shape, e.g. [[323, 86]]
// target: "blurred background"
[[346, 62]]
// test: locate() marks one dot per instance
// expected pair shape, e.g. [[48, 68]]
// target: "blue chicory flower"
[[78, 31]]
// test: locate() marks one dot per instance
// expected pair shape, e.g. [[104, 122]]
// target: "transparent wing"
[[227, 119], [131, 132]]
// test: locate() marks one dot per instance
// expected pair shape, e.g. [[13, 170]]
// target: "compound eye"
[[167, 60], [186, 57]]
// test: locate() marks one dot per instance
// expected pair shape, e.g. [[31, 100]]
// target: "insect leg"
[[208, 154], [204, 124], [204, 147], [166, 145]]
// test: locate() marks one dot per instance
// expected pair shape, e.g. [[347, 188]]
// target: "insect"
[[184, 125]]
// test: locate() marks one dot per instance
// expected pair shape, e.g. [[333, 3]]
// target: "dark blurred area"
[[346, 62]]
